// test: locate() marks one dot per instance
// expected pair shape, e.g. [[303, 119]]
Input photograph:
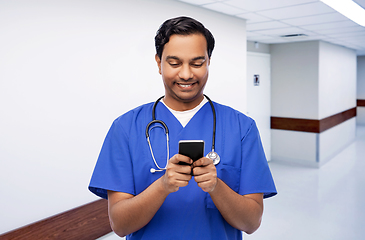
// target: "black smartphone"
[[194, 149]]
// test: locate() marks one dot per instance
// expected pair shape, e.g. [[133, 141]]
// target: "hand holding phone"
[[193, 149]]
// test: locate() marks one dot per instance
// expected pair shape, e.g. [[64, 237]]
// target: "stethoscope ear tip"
[[152, 170]]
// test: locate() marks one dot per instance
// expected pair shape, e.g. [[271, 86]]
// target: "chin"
[[188, 97]]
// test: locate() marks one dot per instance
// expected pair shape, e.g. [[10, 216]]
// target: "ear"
[[158, 60]]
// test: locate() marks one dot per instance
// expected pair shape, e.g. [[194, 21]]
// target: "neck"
[[181, 105]]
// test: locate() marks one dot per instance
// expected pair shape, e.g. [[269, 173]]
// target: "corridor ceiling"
[[281, 21]]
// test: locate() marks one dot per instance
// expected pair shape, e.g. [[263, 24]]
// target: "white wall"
[[294, 147], [67, 69], [360, 89], [334, 140], [258, 47], [294, 74], [337, 79], [361, 77], [337, 93], [312, 75], [312, 80], [360, 116]]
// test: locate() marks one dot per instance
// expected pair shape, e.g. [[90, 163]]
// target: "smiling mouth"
[[185, 85]]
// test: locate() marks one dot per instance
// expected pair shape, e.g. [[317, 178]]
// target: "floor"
[[316, 204]]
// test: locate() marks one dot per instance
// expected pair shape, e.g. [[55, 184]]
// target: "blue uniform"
[[125, 161]]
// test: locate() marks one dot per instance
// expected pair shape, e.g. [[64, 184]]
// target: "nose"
[[185, 73]]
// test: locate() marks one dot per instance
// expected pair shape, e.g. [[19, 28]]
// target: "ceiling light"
[[294, 35], [349, 9], [298, 36]]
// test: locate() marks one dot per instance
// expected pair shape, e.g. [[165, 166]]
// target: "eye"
[[197, 64], [174, 64]]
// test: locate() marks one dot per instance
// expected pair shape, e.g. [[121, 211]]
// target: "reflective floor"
[[318, 204]]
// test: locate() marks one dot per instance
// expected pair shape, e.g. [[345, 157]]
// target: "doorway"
[[259, 95]]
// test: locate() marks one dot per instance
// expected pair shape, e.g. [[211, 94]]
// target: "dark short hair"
[[181, 26]]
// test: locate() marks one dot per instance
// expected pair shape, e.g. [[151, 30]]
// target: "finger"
[[179, 169], [185, 169], [184, 178], [177, 158], [174, 170], [201, 174], [174, 180], [202, 162], [206, 182], [180, 182], [203, 170]]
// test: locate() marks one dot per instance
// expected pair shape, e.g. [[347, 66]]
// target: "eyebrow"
[[176, 58], [172, 57]]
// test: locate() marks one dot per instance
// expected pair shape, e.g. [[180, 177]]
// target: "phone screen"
[[194, 149]]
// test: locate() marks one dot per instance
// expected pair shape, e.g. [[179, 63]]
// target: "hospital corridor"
[[79, 119]]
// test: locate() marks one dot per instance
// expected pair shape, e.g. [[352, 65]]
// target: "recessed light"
[[349, 9]]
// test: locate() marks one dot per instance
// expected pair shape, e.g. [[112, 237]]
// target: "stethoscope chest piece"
[[214, 156]]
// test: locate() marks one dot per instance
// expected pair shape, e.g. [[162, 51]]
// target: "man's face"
[[184, 67]]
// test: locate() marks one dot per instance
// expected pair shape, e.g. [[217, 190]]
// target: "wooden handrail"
[[360, 102], [311, 125], [89, 221]]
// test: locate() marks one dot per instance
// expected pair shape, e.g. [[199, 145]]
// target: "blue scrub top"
[[125, 161]]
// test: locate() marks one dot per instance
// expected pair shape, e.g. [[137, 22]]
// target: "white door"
[[259, 95]]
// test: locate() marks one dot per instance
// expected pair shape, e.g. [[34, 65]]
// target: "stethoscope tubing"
[[214, 122], [148, 128]]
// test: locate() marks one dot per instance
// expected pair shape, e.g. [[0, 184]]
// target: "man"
[[197, 200]]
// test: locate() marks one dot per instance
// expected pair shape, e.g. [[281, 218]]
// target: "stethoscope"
[[212, 155]]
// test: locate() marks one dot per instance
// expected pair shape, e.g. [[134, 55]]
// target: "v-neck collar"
[[164, 114], [170, 117], [184, 117]]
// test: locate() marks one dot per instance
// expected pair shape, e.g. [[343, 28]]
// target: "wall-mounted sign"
[[256, 80]]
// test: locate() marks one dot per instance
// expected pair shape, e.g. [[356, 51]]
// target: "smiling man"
[[152, 196], [184, 66]]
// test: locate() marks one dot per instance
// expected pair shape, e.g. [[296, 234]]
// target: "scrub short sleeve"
[[113, 170], [255, 173]]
